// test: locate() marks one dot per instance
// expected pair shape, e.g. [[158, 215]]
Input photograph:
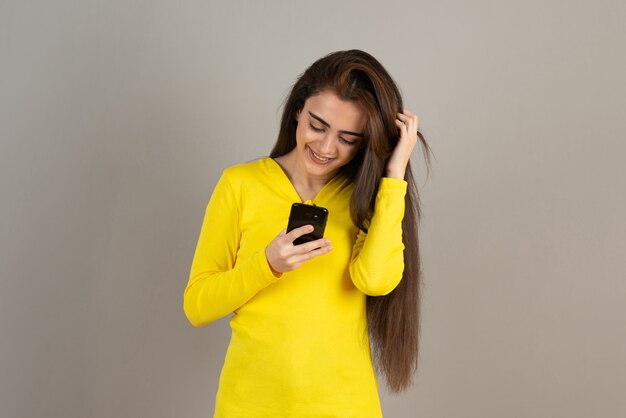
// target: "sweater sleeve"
[[377, 262], [219, 283]]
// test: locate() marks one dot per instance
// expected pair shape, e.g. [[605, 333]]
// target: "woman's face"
[[329, 134]]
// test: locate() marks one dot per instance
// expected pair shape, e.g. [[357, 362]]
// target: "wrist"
[[274, 272], [395, 174]]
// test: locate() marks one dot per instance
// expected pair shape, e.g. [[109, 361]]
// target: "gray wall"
[[116, 119]]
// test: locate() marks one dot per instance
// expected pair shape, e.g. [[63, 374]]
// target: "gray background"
[[116, 119]]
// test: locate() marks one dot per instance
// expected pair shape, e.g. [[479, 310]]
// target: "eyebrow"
[[323, 122]]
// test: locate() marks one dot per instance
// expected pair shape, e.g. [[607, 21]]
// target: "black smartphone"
[[302, 214]]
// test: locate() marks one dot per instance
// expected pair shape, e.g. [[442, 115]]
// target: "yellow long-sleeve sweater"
[[299, 345]]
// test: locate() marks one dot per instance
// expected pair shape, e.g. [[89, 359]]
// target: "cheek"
[[302, 135]]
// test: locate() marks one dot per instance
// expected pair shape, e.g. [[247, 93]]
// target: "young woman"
[[305, 315]]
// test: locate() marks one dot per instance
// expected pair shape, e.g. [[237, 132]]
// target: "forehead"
[[340, 114]]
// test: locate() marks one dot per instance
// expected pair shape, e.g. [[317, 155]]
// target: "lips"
[[318, 159]]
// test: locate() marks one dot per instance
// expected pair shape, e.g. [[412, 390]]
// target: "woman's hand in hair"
[[283, 256], [407, 123]]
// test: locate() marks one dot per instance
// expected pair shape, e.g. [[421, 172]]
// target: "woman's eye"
[[315, 128], [345, 141], [342, 140]]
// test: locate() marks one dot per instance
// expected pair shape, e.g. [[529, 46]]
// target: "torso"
[[301, 344]]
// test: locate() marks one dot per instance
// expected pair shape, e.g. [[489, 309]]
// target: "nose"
[[326, 145]]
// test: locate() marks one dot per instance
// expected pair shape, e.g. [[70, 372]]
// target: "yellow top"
[[299, 344]]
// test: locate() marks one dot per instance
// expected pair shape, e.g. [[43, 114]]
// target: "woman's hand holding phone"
[[283, 256]]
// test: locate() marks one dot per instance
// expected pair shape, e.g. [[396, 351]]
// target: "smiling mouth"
[[318, 158]]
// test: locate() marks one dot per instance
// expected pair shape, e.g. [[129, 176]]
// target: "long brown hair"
[[393, 320]]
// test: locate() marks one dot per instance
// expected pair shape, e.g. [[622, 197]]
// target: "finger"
[[301, 258], [409, 126], [414, 121], [407, 117], [298, 232], [411, 118], [313, 245], [408, 121], [402, 126]]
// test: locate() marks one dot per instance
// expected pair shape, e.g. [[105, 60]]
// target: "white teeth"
[[318, 157]]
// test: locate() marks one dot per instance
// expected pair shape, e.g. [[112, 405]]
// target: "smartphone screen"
[[302, 214]]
